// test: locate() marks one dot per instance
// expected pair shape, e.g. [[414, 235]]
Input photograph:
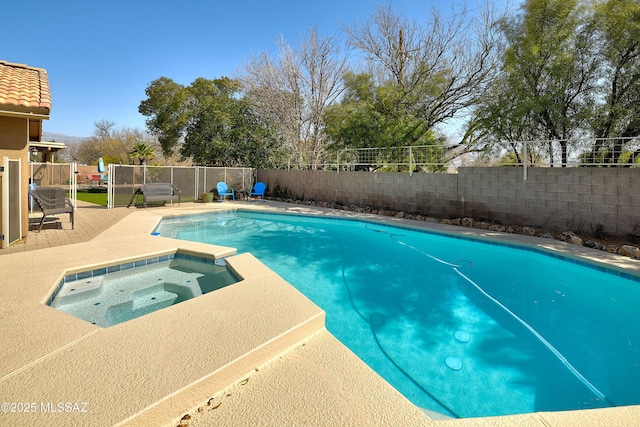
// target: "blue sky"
[[101, 55]]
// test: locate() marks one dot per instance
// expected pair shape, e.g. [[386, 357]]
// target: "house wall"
[[14, 137], [576, 199]]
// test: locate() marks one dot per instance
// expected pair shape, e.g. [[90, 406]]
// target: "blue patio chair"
[[258, 190], [224, 190]]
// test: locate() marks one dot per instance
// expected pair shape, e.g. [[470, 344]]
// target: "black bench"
[[159, 192], [52, 201]]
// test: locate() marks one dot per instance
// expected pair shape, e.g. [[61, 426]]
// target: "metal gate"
[[62, 175]]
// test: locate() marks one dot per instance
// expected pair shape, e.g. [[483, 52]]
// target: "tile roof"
[[24, 88]]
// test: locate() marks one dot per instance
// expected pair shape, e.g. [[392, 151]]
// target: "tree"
[[371, 116], [165, 108], [438, 70], [293, 90], [209, 122], [142, 152], [618, 22], [111, 143], [548, 78]]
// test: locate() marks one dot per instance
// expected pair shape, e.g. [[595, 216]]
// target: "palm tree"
[[142, 152]]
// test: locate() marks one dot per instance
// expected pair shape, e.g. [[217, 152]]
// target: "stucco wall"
[[577, 199], [14, 137]]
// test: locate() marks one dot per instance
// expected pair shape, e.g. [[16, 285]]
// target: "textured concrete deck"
[[255, 353], [90, 220]]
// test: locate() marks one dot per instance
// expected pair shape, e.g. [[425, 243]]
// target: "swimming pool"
[[459, 326], [118, 293]]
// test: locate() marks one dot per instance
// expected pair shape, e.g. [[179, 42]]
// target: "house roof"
[[24, 90]]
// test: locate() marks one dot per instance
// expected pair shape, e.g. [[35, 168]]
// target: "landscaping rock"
[[565, 236], [528, 231], [591, 244], [575, 240], [498, 228], [467, 222], [628, 250]]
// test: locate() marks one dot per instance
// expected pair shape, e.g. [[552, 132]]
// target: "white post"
[[110, 178], [5, 202], [196, 178], [73, 189], [524, 162], [20, 198], [410, 161]]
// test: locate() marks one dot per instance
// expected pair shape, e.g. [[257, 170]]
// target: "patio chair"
[[56, 203], [258, 190], [224, 190]]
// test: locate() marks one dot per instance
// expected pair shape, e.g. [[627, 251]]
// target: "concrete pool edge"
[[19, 301]]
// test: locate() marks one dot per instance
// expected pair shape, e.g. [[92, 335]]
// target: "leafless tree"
[[111, 143], [441, 66], [293, 90]]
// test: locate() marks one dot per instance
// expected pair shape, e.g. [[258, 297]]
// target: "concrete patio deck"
[[254, 353]]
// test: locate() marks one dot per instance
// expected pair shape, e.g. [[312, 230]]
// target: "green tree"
[[548, 76], [165, 108], [373, 116], [141, 152], [618, 23], [209, 122]]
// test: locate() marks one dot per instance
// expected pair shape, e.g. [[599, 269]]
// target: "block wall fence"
[[583, 200]]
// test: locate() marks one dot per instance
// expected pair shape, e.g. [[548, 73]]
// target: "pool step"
[[153, 296], [77, 290], [143, 302]]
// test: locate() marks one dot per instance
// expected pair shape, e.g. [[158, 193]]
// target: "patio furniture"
[[224, 190], [52, 201], [258, 190], [159, 192], [93, 179]]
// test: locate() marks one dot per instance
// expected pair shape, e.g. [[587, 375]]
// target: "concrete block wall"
[[584, 200]]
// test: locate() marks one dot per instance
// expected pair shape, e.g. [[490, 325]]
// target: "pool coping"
[[38, 340]]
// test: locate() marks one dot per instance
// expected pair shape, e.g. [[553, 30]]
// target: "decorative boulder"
[[628, 250], [573, 239]]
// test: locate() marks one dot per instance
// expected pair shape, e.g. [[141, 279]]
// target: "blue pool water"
[[458, 326]]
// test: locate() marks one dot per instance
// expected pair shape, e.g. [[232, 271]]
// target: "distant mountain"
[[70, 140]]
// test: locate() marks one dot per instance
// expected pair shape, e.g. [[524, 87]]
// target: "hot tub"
[[115, 294]]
